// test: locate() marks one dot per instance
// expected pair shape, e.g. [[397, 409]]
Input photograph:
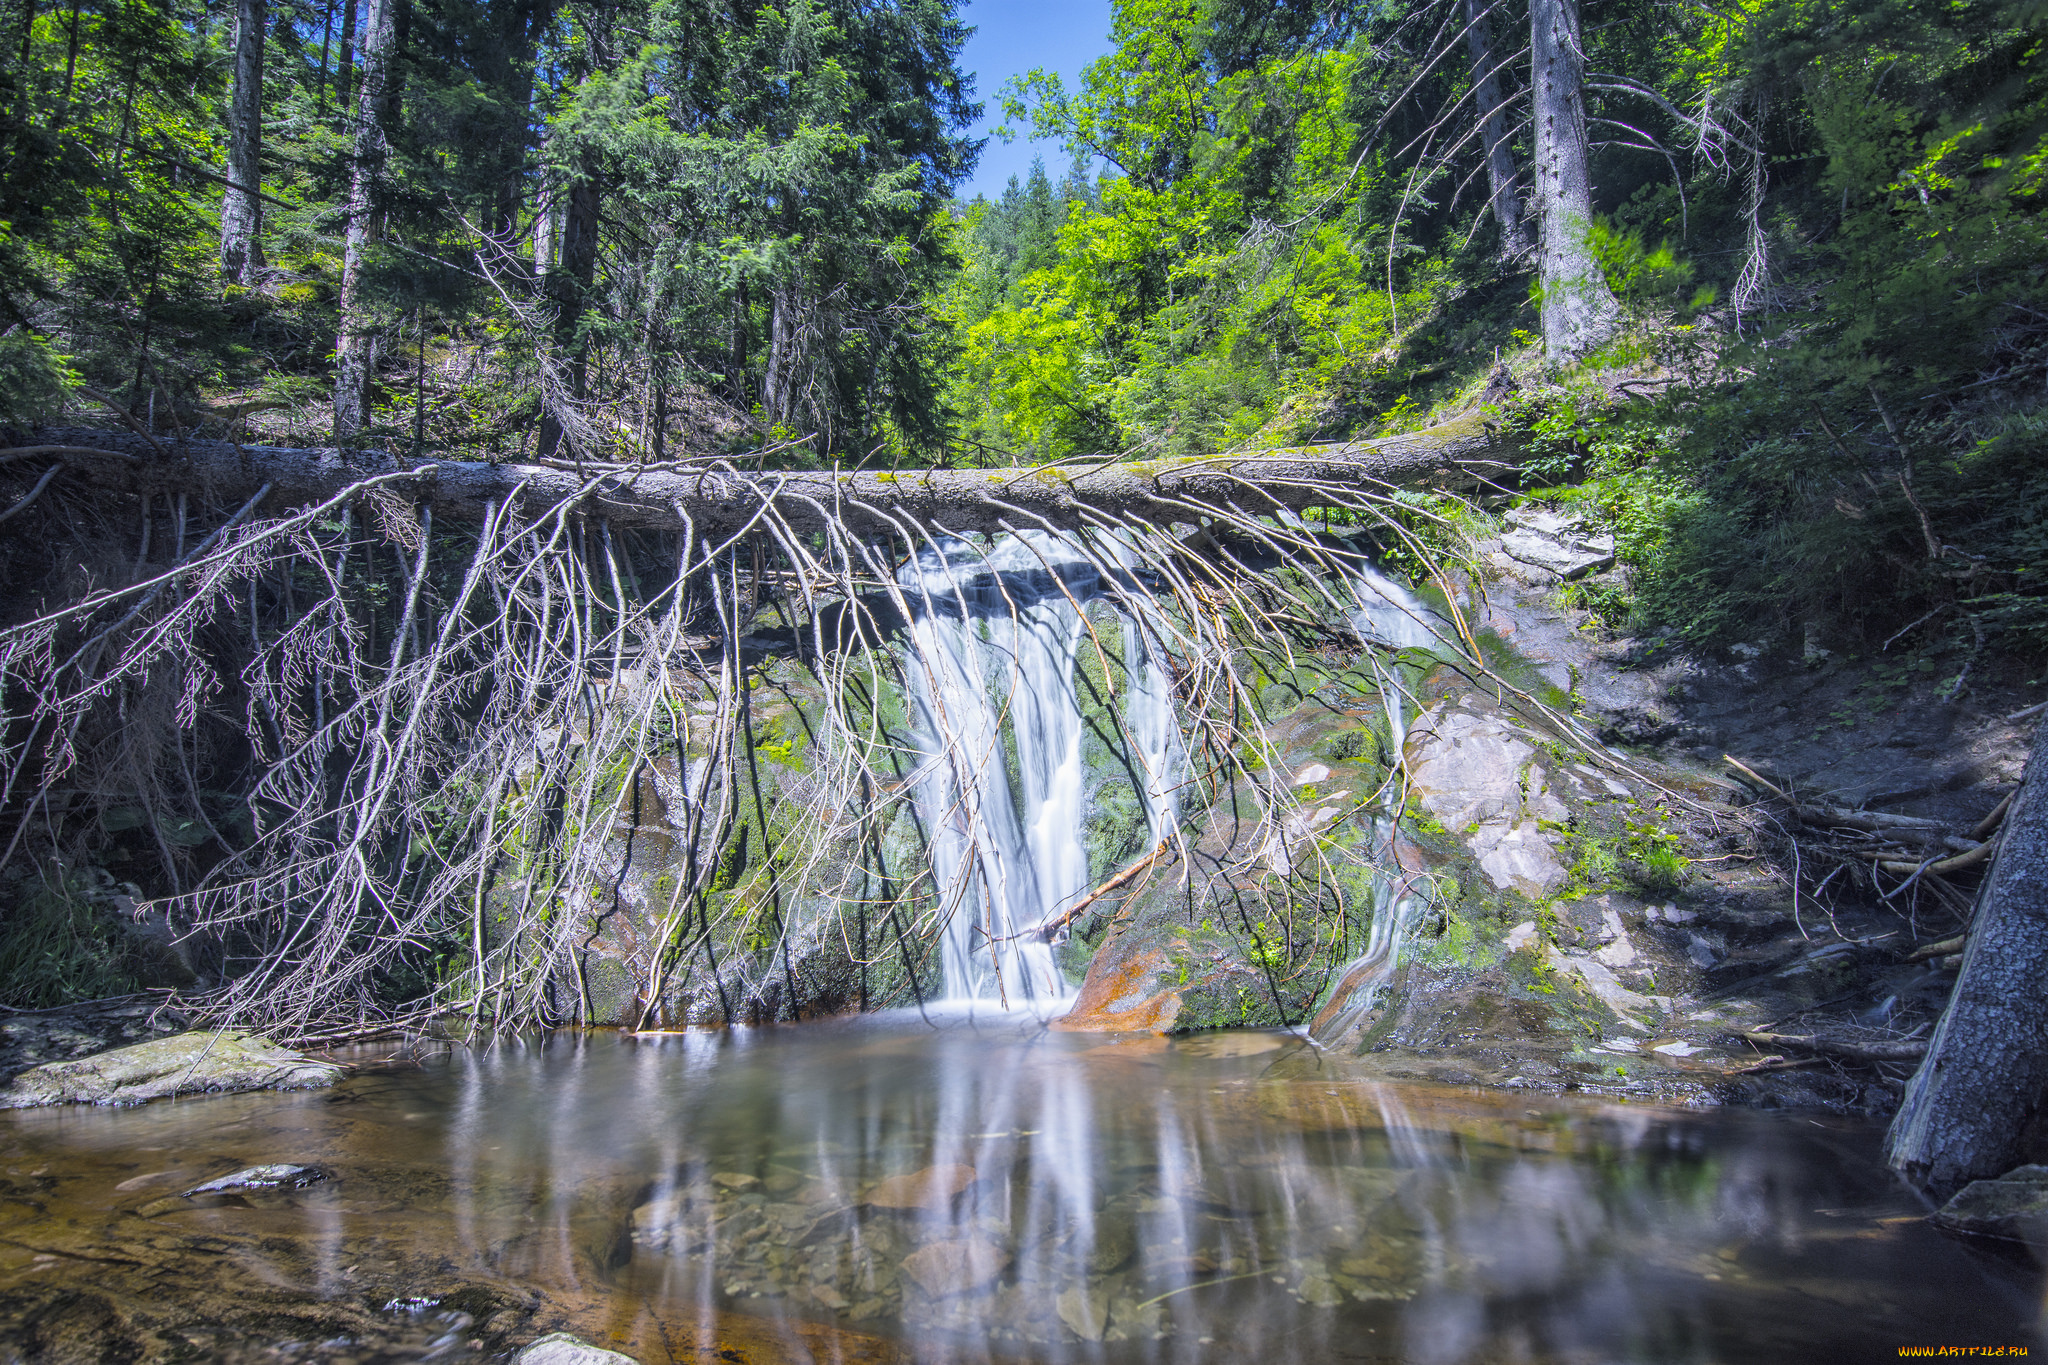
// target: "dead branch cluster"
[[379, 748], [1904, 861]]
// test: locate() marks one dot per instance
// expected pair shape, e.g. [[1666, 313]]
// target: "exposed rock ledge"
[[196, 1063]]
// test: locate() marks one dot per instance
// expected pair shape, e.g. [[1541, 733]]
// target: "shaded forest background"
[[1811, 400]]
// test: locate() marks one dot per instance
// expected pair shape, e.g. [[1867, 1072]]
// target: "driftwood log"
[[1972, 1108], [719, 497]]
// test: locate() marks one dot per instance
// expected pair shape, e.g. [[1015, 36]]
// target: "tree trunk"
[[1968, 1111], [1579, 312], [782, 344], [571, 286], [241, 211], [326, 51], [355, 348], [720, 499], [1488, 76], [345, 68]]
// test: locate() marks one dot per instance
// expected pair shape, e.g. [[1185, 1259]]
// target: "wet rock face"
[[859, 934], [1230, 939], [1477, 775], [195, 1063], [754, 948]]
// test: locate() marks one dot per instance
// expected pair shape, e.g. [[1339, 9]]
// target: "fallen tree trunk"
[[1907, 1051], [717, 496], [1968, 1111]]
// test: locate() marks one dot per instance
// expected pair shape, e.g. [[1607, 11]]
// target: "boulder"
[[196, 1063], [1559, 544], [559, 1348], [2013, 1208]]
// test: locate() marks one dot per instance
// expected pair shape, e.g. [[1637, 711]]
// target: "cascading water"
[[1154, 729], [1390, 615], [1150, 720], [994, 637]]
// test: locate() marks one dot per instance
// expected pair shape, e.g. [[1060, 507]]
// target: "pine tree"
[[241, 210]]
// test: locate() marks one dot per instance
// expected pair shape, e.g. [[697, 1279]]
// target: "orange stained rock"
[[930, 1187], [1122, 995]]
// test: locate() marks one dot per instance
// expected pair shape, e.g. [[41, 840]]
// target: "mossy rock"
[[196, 1063]]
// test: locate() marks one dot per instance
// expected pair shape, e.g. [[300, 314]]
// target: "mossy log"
[[719, 498]]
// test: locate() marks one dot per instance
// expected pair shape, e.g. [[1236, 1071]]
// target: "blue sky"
[[1012, 37]]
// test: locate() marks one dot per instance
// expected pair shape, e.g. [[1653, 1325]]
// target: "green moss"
[[779, 737]]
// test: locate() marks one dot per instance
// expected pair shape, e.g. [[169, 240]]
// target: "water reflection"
[[985, 1189]]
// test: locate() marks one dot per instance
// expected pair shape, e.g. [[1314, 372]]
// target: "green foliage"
[[35, 381], [59, 942], [1887, 369], [1228, 281], [1650, 855]]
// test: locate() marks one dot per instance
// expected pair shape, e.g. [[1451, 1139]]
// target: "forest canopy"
[[1810, 240]]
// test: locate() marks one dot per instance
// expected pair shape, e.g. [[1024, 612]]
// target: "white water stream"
[[995, 636], [1391, 616]]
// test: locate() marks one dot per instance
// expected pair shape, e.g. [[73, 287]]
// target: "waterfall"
[[994, 638], [1389, 614]]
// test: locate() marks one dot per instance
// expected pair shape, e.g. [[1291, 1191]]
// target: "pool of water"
[[898, 1188]]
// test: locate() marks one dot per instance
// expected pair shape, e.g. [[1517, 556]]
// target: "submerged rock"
[[559, 1348], [933, 1187], [196, 1063], [1084, 1311], [261, 1178], [955, 1267]]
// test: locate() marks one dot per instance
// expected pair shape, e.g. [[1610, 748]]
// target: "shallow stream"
[[896, 1188]]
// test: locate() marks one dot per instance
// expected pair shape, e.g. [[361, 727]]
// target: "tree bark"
[[1488, 75], [723, 500], [1579, 311], [355, 348], [241, 209], [1968, 1110], [345, 68], [571, 286]]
